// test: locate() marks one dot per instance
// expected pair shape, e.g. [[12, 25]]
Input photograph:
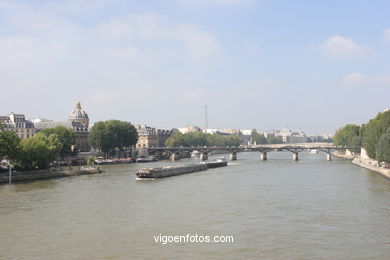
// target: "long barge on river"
[[167, 171]]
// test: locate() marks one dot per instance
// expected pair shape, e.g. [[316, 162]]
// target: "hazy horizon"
[[307, 65]]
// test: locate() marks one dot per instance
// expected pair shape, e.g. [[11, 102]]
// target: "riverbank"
[[344, 155], [372, 165], [19, 176]]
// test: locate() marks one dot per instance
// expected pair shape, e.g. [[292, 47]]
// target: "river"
[[275, 209]]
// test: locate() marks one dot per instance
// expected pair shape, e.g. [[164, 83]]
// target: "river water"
[[275, 209]]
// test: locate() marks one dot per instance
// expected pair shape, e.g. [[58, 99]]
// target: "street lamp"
[[10, 172], [3, 164]]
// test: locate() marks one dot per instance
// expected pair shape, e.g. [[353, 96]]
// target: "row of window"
[[27, 135]]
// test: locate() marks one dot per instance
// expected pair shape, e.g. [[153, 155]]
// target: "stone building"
[[147, 136], [164, 134], [78, 121], [289, 136], [152, 137], [79, 115], [18, 123]]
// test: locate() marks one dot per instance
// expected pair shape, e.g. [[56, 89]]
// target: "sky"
[[310, 65]]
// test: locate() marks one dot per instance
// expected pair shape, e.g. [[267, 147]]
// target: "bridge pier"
[[233, 156], [203, 157], [295, 157], [328, 157], [174, 157], [263, 156]]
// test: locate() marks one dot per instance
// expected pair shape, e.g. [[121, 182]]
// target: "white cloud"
[[197, 43], [386, 35], [124, 62], [354, 79], [338, 47], [359, 80], [201, 3]]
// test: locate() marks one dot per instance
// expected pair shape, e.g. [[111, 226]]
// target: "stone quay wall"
[[18, 176], [372, 165]]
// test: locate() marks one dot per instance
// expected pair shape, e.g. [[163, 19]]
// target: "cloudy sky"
[[310, 65]]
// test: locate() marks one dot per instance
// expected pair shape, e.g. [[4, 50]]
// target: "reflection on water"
[[275, 209]]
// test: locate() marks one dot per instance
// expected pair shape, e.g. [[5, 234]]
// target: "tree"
[[175, 140], [349, 135], [383, 147], [112, 134], [274, 140], [38, 151], [66, 136], [258, 138], [197, 139], [90, 161], [373, 131], [9, 144], [232, 140]]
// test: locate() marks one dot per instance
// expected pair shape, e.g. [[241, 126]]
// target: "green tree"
[[175, 140], [258, 138], [39, 151], [274, 140], [199, 139], [373, 131], [383, 147], [90, 161], [9, 144], [349, 135], [112, 134], [232, 140], [66, 136]]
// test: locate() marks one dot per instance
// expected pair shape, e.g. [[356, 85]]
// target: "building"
[[147, 136], [246, 132], [79, 115], [210, 131], [190, 129], [270, 133], [152, 137], [18, 123], [320, 138], [289, 136], [230, 131], [164, 134], [78, 121]]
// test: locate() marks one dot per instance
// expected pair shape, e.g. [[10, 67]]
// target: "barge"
[[219, 162], [167, 171], [145, 160]]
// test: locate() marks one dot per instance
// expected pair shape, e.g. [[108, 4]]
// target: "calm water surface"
[[275, 209]]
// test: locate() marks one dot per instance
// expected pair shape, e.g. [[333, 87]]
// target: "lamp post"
[[10, 172]]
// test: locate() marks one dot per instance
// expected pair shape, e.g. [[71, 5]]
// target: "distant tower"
[[206, 119]]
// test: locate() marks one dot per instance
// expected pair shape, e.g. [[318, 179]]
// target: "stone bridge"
[[295, 149]]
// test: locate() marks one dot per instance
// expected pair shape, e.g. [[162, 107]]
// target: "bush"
[[90, 161]]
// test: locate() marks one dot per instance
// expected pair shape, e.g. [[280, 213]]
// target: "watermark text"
[[189, 238]]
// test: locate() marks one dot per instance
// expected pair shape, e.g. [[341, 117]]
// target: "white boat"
[[195, 154]]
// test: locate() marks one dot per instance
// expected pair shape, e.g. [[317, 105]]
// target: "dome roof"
[[78, 113]]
